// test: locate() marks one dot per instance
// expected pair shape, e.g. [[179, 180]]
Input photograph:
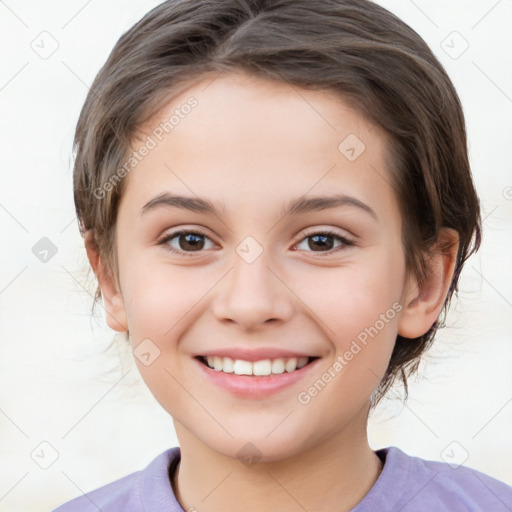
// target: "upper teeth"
[[263, 367]]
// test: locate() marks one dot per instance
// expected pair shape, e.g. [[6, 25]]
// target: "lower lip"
[[247, 386]]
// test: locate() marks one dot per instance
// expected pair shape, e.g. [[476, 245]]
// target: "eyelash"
[[345, 242]]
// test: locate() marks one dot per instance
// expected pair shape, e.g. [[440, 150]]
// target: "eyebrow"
[[297, 206]]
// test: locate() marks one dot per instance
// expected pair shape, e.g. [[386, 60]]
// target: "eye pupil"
[[320, 239], [191, 241]]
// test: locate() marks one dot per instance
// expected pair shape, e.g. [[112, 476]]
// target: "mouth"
[[260, 368], [256, 375]]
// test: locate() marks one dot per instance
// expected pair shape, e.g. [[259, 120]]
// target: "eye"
[[323, 240], [185, 241]]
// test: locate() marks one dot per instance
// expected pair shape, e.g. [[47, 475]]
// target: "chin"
[[258, 447]]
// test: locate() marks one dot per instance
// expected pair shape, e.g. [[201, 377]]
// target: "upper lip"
[[254, 354]]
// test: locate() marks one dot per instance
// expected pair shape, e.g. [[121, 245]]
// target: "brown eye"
[[324, 241], [185, 241]]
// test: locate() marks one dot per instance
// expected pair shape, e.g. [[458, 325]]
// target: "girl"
[[276, 199]]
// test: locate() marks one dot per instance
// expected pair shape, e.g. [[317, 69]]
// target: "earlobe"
[[423, 304], [112, 296]]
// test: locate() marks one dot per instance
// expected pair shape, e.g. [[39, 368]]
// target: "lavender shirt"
[[406, 484]]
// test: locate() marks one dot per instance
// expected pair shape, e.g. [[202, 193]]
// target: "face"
[[250, 265]]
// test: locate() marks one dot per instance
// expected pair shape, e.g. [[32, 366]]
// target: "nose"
[[253, 295]]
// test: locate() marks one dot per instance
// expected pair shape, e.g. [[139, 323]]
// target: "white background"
[[57, 386]]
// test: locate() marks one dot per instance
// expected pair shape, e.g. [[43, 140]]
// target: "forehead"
[[248, 138]]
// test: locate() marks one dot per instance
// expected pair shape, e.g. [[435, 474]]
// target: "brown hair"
[[355, 48]]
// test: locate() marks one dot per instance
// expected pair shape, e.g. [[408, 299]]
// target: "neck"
[[333, 475]]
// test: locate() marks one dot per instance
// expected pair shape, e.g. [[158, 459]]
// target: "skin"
[[254, 145]]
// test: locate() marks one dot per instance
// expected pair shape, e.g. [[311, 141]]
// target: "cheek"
[[157, 298], [359, 307], [159, 306], [346, 300]]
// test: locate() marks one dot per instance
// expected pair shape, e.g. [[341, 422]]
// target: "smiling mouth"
[[264, 367]]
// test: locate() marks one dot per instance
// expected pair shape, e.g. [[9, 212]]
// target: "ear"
[[112, 296], [422, 305]]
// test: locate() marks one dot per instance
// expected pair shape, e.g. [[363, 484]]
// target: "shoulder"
[[119, 495], [414, 484], [132, 493]]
